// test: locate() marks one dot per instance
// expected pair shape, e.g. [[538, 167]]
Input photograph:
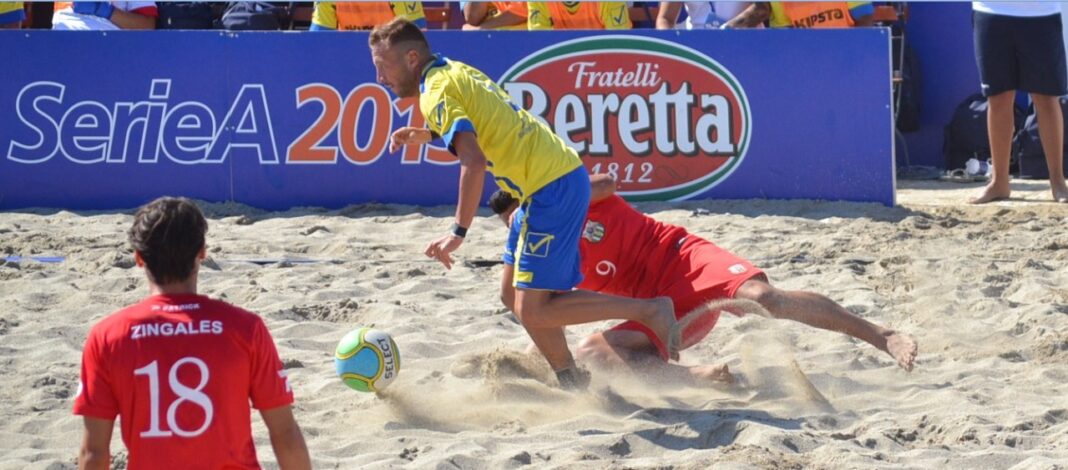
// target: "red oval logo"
[[667, 121]]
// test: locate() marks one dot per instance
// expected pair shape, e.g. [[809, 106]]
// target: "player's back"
[[523, 154], [180, 371], [625, 252]]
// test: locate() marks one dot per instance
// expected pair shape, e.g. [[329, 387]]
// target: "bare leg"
[[1000, 126], [632, 350], [545, 313], [540, 310], [1051, 131], [821, 312]]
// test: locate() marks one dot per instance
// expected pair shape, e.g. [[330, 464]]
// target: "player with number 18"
[[180, 368]]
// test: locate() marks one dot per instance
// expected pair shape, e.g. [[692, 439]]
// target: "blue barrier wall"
[[941, 35], [277, 120]]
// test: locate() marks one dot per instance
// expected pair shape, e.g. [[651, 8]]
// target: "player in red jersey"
[[181, 368], [627, 253]]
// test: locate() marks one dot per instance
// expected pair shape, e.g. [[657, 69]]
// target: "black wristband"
[[458, 230]]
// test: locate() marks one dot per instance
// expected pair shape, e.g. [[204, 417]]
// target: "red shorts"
[[703, 272]]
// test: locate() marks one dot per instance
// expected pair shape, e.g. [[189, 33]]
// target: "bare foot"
[[1060, 192], [991, 193], [667, 329], [902, 348], [718, 374]]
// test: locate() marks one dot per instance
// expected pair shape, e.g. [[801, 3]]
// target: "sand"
[[984, 290]]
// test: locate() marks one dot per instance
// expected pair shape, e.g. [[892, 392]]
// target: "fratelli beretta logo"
[[667, 121]]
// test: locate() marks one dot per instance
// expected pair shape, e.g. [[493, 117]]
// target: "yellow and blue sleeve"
[[12, 12], [859, 10], [538, 16], [324, 17], [615, 15], [444, 114]]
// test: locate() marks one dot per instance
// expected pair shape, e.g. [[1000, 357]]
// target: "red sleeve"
[[150, 12], [95, 396], [268, 387]]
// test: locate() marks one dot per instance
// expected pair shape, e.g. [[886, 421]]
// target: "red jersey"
[[626, 253], [180, 370]]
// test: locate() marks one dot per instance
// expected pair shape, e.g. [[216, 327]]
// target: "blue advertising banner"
[[93, 120]]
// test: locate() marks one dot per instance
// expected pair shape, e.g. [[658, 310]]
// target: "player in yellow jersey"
[[578, 15], [347, 16], [481, 125], [12, 15]]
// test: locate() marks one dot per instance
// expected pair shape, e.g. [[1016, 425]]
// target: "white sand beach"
[[984, 290]]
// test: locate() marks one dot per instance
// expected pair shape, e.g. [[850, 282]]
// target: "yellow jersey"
[[578, 15], [522, 153], [11, 12], [364, 15]]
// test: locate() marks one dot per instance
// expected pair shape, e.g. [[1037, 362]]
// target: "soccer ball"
[[367, 359]]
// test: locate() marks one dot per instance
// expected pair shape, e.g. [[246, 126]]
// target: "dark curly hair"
[[500, 201], [169, 233]]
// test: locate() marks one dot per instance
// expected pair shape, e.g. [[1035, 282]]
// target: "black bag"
[[185, 15], [965, 136], [1027, 147], [255, 16]]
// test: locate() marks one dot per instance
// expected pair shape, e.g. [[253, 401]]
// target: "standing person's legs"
[[995, 56], [1043, 74], [1000, 126], [1051, 131]]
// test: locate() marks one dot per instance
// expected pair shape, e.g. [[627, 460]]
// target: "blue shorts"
[[547, 226]]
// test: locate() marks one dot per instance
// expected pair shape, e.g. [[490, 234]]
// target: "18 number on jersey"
[[193, 396]]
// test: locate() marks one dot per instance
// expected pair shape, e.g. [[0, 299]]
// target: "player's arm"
[[96, 444], [472, 177], [475, 13], [668, 15], [601, 186], [286, 438], [503, 20], [141, 18], [753, 16]]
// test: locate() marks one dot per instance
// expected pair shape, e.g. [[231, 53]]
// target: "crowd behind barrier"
[[318, 16]]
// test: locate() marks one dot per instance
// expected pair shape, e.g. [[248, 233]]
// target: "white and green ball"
[[367, 359]]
